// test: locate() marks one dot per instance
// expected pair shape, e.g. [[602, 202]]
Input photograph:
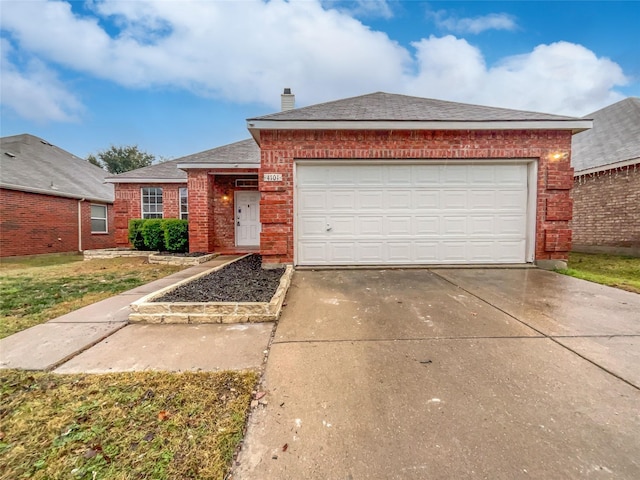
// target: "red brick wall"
[[34, 224], [211, 215], [128, 205], [551, 149], [606, 211]]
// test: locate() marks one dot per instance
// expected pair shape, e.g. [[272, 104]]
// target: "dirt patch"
[[242, 281]]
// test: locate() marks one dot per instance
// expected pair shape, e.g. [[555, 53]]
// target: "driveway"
[[449, 374]]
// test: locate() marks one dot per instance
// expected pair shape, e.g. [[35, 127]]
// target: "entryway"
[[247, 209]]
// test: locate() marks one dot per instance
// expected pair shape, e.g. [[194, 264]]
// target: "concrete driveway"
[[449, 374]]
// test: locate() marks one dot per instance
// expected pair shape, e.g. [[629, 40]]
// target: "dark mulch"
[[241, 281]]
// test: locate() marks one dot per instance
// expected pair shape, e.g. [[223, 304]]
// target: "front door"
[[248, 219]]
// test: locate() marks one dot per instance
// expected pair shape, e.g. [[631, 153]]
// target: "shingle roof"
[[243, 152], [32, 164], [381, 106], [614, 138]]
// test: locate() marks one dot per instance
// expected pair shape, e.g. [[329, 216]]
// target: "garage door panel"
[[398, 199], [427, 225], [403, 214], [454, 199], [370, 226], [312, 226], [395, 226], [313, 201], [342, 200], [370, 200]]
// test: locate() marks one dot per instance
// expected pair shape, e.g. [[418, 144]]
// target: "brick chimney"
[[287, 100]]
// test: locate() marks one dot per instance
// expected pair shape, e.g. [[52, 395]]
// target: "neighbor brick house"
[[606, 190], [375, 180], [50, 200]]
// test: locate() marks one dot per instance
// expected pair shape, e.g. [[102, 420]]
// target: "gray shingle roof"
[[244, 152], [614, 138], [381, 106], [32, 164]]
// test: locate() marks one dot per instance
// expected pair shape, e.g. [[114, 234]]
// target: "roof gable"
[[614, 138], [32, 164]]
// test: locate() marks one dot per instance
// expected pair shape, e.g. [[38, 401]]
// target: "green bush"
[[135, 233], [176, 235], [152, 234]]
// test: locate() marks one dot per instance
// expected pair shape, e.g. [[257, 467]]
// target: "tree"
[[121, 159]]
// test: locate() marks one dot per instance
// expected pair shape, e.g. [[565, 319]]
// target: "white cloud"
[[34, 92], [475, 25], [247, 51], [361, 8]]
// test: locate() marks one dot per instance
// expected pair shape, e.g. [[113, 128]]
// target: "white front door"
[[248, 219]]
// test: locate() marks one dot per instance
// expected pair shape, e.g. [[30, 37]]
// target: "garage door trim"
[[531, 202]]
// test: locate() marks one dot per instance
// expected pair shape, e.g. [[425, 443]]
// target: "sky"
[[176, 77]]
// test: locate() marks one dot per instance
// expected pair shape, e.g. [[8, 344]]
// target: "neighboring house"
[[50, 200], [606, 190], [378, 179]]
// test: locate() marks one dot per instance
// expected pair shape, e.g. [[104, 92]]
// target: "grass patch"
[[151, 425], [38, 289], [613, 270]]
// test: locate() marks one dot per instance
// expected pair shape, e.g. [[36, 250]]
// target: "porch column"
[[200, 193]]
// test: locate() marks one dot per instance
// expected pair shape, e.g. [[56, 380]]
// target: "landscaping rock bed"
[[238, 292], [242, 281]]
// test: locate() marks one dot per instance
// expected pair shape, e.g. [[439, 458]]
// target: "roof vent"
[[287, 100]]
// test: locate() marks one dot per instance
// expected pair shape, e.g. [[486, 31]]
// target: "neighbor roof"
[[386, 111], [243, 154], [613, 141], [31, 164]]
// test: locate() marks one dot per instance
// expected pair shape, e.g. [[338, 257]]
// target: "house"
[[606, 189], [50, 200], [378, 179]]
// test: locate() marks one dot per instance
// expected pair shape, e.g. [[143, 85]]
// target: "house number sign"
[[272, 177]]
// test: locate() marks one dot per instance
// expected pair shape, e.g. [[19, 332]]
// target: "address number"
[[272, 177]]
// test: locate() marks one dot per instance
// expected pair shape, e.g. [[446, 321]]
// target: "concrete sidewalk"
[[121, 347]]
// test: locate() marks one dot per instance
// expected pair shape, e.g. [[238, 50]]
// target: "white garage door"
[[411, 214]]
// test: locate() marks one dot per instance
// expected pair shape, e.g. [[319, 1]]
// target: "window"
[[184, 204], [99, 219], [152, 202]]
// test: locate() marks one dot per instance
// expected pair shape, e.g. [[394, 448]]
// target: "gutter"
[[53, 193]]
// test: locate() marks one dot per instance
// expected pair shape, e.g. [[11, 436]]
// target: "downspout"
[[80, 224]]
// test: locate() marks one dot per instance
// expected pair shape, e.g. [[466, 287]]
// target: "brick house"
[[606, 190], [373, 180], [50, 200]]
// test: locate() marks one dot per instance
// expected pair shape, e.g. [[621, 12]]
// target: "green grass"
[[38, 289], [613, 270], [145, 425]]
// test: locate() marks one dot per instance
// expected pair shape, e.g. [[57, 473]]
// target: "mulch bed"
[[242, 281]]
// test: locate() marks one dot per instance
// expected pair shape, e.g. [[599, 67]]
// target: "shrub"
[[152, 234], [135, 233], [176, 235]]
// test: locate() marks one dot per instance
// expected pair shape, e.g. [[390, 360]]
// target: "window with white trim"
[[151, 202], [184, 204], [99, 219]]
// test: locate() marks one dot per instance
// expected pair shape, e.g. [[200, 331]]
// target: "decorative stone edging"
[[145, 310], [114, 253], [177, 260]]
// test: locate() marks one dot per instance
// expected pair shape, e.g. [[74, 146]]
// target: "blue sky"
[[178, 77]]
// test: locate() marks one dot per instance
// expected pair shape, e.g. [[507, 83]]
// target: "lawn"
[[38, 289], [146, 425], [613, 270]]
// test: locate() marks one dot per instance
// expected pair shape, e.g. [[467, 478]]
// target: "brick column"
[[200, 191]]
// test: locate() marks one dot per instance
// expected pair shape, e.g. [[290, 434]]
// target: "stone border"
[[146, 311], [177, 260], [114, 253]]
